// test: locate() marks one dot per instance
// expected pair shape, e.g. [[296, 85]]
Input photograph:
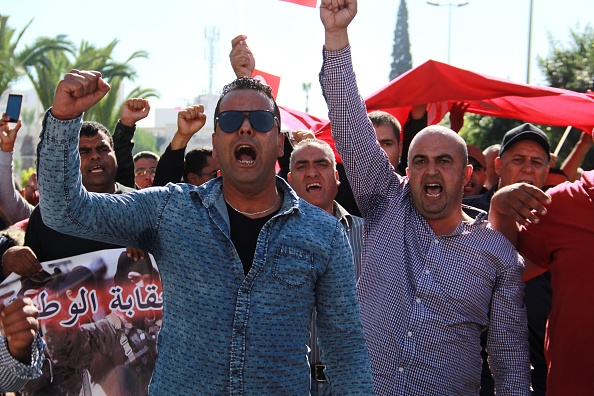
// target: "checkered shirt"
[[425, 299]]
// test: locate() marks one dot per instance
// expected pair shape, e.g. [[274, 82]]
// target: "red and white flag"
[[269, 79], [306, 3]]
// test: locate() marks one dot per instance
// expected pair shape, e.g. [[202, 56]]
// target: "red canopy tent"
[[438, 85]]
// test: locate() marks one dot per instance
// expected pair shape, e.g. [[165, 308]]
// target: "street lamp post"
[[529, 44], [449, 5]]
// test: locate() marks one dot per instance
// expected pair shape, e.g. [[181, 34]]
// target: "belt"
[[317, 372]]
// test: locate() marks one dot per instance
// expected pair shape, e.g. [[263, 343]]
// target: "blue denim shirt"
[[223, 332]]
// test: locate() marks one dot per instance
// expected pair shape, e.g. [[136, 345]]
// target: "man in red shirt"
[[559, 238]]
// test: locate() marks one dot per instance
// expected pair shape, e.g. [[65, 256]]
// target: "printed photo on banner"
[[99, 314]]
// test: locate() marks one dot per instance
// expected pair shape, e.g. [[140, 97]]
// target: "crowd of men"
[[419, 265]]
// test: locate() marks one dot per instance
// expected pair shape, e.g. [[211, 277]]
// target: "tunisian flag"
[[269, 79], [307, 3]]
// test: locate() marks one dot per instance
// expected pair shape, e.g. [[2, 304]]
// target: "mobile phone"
[[13, 107]]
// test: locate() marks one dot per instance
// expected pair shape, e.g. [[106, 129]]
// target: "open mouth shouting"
[[96, 169], [433, 190], [311, 187], [245, 154]]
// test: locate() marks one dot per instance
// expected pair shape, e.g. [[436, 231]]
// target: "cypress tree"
[[401, 58]]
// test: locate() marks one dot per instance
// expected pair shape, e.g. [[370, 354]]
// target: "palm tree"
[[46, 70], [9, 71], [13, 65], [28, 118]]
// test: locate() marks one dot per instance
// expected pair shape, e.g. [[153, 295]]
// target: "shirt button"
[[427, 272], [401, 369], [435, 241], [418, 300], [409, 334]]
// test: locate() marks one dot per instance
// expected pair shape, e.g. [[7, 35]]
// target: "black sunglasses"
[[261, 120]]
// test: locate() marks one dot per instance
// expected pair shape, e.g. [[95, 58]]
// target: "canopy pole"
[[562, 140]]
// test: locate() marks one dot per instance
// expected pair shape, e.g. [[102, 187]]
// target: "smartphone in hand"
[[13, 107]]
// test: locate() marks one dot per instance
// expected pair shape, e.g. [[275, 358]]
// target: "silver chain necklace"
[[254, 213]]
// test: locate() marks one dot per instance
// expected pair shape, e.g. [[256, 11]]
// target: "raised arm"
[[66, 206], [241, 57], [576, 157], [367, 166], [171, 165], [133, 110], [15, 207]]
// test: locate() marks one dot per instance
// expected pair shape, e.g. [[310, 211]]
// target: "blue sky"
[[487, 36]]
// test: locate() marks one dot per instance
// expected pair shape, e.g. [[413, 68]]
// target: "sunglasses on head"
[[261, 120]]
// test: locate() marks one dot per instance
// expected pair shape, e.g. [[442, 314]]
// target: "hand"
[[242, 59], [302, 134], [134, 109], [189, 122], [521, 202], [77, 92], [7, 134], [336, 15], [21, 260], [19, 325], [29, 192], [135, 253], [457, 111]]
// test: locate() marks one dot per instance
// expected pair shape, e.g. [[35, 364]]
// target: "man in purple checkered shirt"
[[433, 278]]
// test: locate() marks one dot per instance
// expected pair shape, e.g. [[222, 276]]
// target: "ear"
[[289, 177], [497, 164], [214, 153], [407, 172], [281, 144], [337, 178], [192, 178], [399, 151], [467, 173]]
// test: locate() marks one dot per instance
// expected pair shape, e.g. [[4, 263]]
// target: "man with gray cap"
[[523, 158]]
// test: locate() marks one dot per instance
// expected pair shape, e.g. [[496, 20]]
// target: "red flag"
[[269, 79], [439, 84], [307, 3]]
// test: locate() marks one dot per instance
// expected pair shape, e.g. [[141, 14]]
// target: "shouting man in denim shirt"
[[243, 260]]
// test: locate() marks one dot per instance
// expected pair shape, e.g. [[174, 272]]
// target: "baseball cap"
[[525, 132], [476, 153]]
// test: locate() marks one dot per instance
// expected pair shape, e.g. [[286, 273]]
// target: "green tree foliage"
[[9, 69], [13, 64], [48, 68], [144, 141], [572, 66], [28, 118], [484, 131], [401, 58], [569, 67]]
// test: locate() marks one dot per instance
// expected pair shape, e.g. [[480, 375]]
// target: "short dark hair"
[[196, 160], [379, 117], [146, 154], [249, 83], [91, 128]]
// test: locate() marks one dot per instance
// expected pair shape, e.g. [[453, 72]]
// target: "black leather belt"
[[317, 372]]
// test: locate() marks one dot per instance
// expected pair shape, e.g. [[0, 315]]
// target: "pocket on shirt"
[[293, 266]]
